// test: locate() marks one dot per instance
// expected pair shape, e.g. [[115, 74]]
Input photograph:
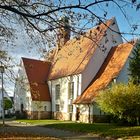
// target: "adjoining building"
[[8, 112]]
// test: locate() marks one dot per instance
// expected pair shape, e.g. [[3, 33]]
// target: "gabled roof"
[[110, 69], [37, 72], [76, 53]]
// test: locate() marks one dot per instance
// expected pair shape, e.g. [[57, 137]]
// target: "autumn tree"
[[134, 65], [44, 16], [7, 61], [121, 100], [40, 19]]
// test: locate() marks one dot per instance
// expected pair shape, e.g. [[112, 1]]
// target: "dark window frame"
[[57, 107], [57, 91], [70, 90], [70, 108]]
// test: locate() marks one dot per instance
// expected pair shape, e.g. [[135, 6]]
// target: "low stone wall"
[[67, 116], [101, 118], [64, 116], [38, 115], [94, 118], [60, 116]]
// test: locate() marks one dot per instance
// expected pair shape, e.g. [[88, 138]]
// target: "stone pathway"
[[13, 126]]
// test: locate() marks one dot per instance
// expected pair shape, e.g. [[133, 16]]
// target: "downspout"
[[51, 99], [77, 86], [77, 96], [89, 113]]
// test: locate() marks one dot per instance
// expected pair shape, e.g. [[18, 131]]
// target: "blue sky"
[[133, 17], [124, 23]]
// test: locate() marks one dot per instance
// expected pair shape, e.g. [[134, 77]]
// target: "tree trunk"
[[137, 119], [39, 115]]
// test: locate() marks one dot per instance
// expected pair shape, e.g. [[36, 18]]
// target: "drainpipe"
[[51, 100], [89, 113], [77, 85]]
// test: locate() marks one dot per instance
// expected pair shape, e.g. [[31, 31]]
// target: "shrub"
[[122, 101]]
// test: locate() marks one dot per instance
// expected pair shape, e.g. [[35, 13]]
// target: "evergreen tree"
[[134, 65]]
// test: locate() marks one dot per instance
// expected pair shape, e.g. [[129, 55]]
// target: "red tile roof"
[[110, 69], [37, 72], [76, 53]]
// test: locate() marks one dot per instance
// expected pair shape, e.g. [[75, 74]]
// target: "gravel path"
[[13, 126]]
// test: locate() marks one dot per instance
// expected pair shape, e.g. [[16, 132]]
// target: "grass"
[[110, 130], [43, 122]]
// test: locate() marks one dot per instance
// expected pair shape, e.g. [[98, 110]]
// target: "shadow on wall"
[[21, 115]]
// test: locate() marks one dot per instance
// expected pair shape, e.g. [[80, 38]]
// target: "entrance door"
[[77, 114]]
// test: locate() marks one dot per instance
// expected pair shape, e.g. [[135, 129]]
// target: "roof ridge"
[[94, 28], [75, 52], [32, 59]]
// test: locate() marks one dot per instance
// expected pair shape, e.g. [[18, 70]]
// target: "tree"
[[41, 18], [7, 103], [3, 55], [134, 65], [122, 101], [6, 61], [44, 15]]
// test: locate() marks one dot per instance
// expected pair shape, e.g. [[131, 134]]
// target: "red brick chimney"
[[63, 32]]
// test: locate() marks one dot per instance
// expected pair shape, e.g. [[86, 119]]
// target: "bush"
[[122, 101]]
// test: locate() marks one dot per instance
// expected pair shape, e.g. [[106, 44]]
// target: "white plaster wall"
[[84, 109], [94, 109], [123, 76], [99, 56], [50, 87], [40, 106], [84, 113], [124, 73], [16, 97], [22, 93], [64, 101], [23, 96]]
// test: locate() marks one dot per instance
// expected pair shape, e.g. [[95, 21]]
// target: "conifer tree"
[[134, 65]]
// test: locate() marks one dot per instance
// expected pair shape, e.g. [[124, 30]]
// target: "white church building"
[[64, 86]]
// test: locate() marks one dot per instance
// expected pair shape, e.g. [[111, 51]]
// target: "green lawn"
[[101, 129], [44, 122]]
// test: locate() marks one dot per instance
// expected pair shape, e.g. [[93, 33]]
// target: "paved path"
[[14, 126]]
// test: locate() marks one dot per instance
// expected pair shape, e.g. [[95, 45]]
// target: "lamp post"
[[2, 91]]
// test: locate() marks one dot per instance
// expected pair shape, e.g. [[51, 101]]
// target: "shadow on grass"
[[13, 133], [99, 129], [29, 131], [72, 129]]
